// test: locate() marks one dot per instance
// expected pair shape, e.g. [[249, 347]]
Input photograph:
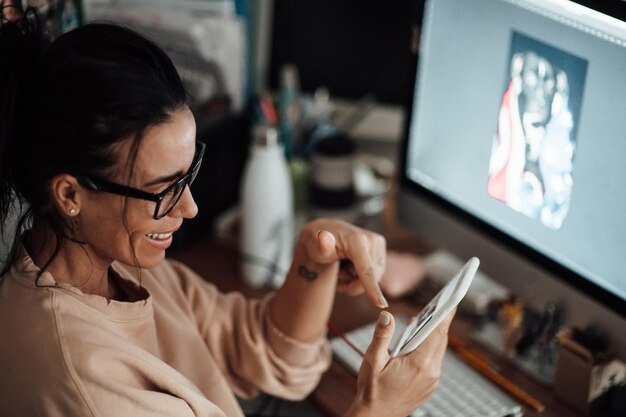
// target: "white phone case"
[[437, 309]]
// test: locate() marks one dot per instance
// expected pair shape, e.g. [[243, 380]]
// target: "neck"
[[74, 263]]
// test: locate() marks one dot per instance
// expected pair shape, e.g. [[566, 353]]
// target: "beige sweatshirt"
[[182, 349]]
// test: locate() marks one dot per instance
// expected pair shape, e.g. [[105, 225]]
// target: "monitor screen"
[[518, 125]]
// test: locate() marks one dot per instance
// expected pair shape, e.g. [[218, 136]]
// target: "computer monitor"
[[515, 150]]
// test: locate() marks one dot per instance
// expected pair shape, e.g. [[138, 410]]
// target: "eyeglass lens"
[[173, 196]]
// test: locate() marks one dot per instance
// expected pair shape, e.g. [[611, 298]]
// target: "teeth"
[[158, 236]]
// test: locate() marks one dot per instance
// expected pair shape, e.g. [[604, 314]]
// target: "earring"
[[72, 211]]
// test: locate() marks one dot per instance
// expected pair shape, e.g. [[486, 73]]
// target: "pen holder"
[[331, 187], [581, 381]]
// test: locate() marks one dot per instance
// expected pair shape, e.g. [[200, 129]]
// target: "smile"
[[159, 236]]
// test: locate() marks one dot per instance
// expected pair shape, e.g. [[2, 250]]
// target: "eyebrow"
[[165, 179]]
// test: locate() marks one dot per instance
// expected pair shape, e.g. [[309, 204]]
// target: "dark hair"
[[65, 105]]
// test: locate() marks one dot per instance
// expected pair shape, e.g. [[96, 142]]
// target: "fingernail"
[[383, 301], [384, 319]]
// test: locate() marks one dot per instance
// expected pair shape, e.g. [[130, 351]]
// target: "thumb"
[[377, 353], [323, 248]]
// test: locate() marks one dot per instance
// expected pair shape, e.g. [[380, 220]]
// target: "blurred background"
[[336, 67]]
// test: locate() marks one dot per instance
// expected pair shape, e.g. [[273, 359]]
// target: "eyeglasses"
[[165, 200]]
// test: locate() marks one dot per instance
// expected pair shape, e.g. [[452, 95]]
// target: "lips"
[[159, 236]]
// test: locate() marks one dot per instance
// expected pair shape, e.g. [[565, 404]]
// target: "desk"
[[219, 264]]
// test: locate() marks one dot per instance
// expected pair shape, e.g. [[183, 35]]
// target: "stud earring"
[[72, 211]]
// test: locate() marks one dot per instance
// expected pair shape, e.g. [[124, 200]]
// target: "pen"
[[457, 345], [289, 107], [268, 110], [485, 368]]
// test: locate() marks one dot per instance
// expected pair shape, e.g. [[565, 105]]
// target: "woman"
[[97, 139]]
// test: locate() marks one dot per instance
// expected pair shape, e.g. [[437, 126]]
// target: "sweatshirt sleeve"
[[251, 351]]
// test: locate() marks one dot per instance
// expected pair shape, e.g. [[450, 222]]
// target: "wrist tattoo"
[[306, 274]]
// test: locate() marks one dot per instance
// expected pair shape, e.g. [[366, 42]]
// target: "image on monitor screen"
[[534, 145]]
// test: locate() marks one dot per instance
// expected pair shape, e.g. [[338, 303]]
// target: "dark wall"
[[216, 187], [615, 8], [353, 47]]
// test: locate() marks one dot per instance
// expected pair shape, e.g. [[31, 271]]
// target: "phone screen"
[[427, 313], [443, 303]]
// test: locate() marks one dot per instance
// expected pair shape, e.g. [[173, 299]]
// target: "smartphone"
[[438, 308]]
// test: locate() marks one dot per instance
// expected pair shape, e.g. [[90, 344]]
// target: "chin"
[[150, 258], [146, 255]]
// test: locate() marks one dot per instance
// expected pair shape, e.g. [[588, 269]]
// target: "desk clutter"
[[577, 364], [330, 176]]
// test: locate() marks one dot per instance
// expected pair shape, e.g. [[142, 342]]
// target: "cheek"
[[101, 219], [139, 222], [106, 235], [118, 233]]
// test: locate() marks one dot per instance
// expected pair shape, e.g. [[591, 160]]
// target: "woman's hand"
[[396, 386], [301, 307], [362, 253]]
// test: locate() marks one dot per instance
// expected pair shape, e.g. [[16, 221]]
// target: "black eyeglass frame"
[[99, 185]]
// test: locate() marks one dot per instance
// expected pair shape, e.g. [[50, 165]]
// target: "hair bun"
[[23, 36]]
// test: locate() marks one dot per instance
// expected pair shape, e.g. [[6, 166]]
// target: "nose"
[[186, 207]]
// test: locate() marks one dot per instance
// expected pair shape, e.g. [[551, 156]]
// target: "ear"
[[66, 194]]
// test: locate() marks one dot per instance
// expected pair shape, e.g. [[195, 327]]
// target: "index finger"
[[366, 270]]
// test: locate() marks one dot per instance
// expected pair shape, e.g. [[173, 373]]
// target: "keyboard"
[[462, 392]]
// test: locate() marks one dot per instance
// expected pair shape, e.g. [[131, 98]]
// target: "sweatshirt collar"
[[30, 274]]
